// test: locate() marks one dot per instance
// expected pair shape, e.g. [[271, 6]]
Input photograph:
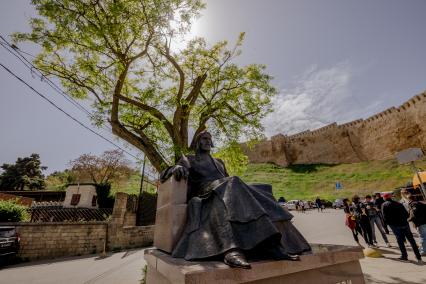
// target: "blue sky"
[[332, 60]]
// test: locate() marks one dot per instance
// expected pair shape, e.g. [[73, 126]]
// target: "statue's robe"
[[225, 213]]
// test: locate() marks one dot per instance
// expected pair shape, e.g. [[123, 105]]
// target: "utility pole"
[[140, 191]]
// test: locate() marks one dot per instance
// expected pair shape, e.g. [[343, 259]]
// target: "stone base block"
[[172, 192], [328, 264], [169, 223]]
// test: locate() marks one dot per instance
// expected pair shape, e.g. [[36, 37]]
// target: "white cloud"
[[317, 98]]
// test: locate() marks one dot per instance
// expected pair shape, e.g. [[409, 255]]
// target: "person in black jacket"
[[396, 216], [319, 204], [374, 218], [378, 201], [417, 212], [361, 217]]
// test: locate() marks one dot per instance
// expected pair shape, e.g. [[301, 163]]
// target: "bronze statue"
[[228, 218]]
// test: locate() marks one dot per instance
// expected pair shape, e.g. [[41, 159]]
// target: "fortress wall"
[[378, 136], [395, 129], [328, 145], [269, 151], [375, 138], [418, 116]]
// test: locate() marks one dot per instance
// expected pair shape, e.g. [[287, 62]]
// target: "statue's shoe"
[[235, 258], [277, 254], [289, 257]]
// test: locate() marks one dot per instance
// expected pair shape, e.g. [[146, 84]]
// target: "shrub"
[[10, 211]]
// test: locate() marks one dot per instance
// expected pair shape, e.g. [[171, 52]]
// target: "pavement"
[[329, 228], [123, 267], [126, 267]]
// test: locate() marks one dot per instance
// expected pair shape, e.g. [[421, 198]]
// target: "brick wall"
[[50, 240], [130, 237]]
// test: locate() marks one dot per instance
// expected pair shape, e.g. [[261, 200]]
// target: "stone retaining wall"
[[50, 240], [59, 239], [130, 237]]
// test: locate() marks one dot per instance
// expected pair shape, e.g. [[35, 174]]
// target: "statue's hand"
[[180, 172]]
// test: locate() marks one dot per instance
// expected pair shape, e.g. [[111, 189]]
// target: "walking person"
[[302, 206], [350, 220], [417, 213], [396, 217], [374, 219], [361, 217], [379, 202], [319, 204]]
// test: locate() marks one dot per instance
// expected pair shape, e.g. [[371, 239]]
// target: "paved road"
[[123, 267], [328, 227], [126, 267]]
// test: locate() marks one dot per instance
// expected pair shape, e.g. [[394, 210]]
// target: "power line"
[[68, 115], [14, 50]]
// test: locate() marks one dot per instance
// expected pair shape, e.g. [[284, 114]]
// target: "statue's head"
[[203, 142]]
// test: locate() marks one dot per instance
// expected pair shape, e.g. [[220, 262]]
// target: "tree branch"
[[143, 143], [153, 111]]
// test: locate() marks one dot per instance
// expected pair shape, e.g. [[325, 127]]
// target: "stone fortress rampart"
[[378, 137]]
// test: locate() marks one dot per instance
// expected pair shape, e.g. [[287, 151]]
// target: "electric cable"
[[16, 51], [68, 115]]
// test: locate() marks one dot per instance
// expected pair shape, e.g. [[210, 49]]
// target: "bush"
[[10, 211]]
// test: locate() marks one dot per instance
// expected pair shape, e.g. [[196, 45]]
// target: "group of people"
[[363, 216]]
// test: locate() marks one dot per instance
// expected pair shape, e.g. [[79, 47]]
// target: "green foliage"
[[309, 181], [132, 184], [233, 156], [59, 180], [121, 54], [11, 211], [26, 172], [144, 273]]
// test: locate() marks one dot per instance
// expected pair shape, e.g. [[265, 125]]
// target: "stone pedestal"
[[171, 214], [328, 264]]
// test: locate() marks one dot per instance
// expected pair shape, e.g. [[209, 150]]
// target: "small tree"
[[26, 172], [109, 166]]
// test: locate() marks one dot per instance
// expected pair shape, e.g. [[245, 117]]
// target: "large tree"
[[154, 95], [26, 172]]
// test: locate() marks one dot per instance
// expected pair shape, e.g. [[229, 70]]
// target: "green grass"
[[309, 181], [132, 185]]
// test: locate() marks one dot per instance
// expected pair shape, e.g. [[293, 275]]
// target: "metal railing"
[[57, 214]]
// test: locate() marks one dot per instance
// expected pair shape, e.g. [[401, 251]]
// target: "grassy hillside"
[[132, 185], [309, 181]]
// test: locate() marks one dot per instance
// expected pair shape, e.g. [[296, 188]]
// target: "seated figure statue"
[[228, 218]]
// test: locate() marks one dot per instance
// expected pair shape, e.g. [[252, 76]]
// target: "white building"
[[81, 195]]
